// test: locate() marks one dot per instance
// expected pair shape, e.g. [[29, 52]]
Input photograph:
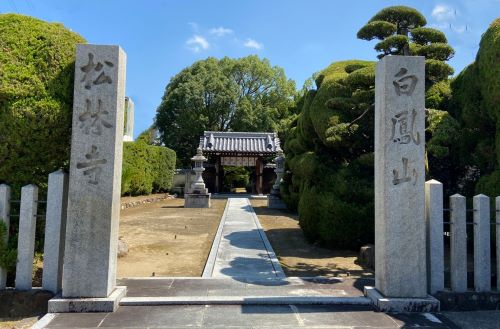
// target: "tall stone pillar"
[[128, 133], [259, 166], [400, 231], [5, 218], [218, 173], [95, 172]]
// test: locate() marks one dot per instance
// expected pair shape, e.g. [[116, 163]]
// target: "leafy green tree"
[[36, 98], [401, 31], [246, 94]]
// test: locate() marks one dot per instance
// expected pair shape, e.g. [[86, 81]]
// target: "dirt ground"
[[18, 323], [167, 239], [297, 256]]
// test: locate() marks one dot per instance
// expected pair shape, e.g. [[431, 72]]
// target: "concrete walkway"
[[243, 286], [241, 248]]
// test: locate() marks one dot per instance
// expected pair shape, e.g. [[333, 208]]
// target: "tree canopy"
[[401, 31], [36, 98], [246, 94]]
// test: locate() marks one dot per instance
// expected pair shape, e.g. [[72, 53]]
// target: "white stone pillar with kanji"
[[400, 236], [400, 229], [95, 172]]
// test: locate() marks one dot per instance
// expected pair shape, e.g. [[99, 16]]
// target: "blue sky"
[[302, 36]]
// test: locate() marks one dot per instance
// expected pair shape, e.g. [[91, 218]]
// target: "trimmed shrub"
[[475, 103], [329, 163], [36, 98], [329, 154], [146, 168]]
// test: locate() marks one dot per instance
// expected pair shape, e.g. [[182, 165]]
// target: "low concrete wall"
[[23, 303], [147, 199]]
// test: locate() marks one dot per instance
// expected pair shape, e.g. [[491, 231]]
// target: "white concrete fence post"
[[497, 204], [26, 237], [55, 231], [4, 216], [482, 258], [435, 242], [458, 232]]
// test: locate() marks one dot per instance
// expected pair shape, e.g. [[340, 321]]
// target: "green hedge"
[[146, 168], [36, 98]]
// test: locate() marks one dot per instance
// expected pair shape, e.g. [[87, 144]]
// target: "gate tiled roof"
[[239, 142]]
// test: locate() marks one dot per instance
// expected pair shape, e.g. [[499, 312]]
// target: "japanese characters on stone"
[[93, 120], [403, 128]]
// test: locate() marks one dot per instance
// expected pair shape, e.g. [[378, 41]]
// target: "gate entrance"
[[239, 149]]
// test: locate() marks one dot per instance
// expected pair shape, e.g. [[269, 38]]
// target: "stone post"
[[5, 217], [497, 222], [458, 243], [258, 175], [128, 134], [400, 237], [26, 237], [435, 242], [95, 172], [482, 257], [55, 230]]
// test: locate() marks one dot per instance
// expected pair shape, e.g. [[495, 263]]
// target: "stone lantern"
[[198, 186], [273, 200], [198, 197], [280, 170]]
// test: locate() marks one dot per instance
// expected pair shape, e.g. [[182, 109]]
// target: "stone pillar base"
[[275, 202], [193, 200], [87, 305], [406, 304]]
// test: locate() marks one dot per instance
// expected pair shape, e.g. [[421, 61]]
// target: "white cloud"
[[443, 13], [251, 43], [220, 31], [197, 43]]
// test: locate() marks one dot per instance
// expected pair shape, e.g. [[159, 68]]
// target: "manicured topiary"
[[329, 154], [36, 98], [476, 104], [328, 178], [401, 31]]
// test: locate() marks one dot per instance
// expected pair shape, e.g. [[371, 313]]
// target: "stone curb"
[[270, 251], [44, 321], [59, 304], [244, 300], [158, 198], [209, 265], [406, 304]]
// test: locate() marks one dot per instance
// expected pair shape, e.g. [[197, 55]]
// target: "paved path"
[[248, 316], [241, 248], [243, 286]]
